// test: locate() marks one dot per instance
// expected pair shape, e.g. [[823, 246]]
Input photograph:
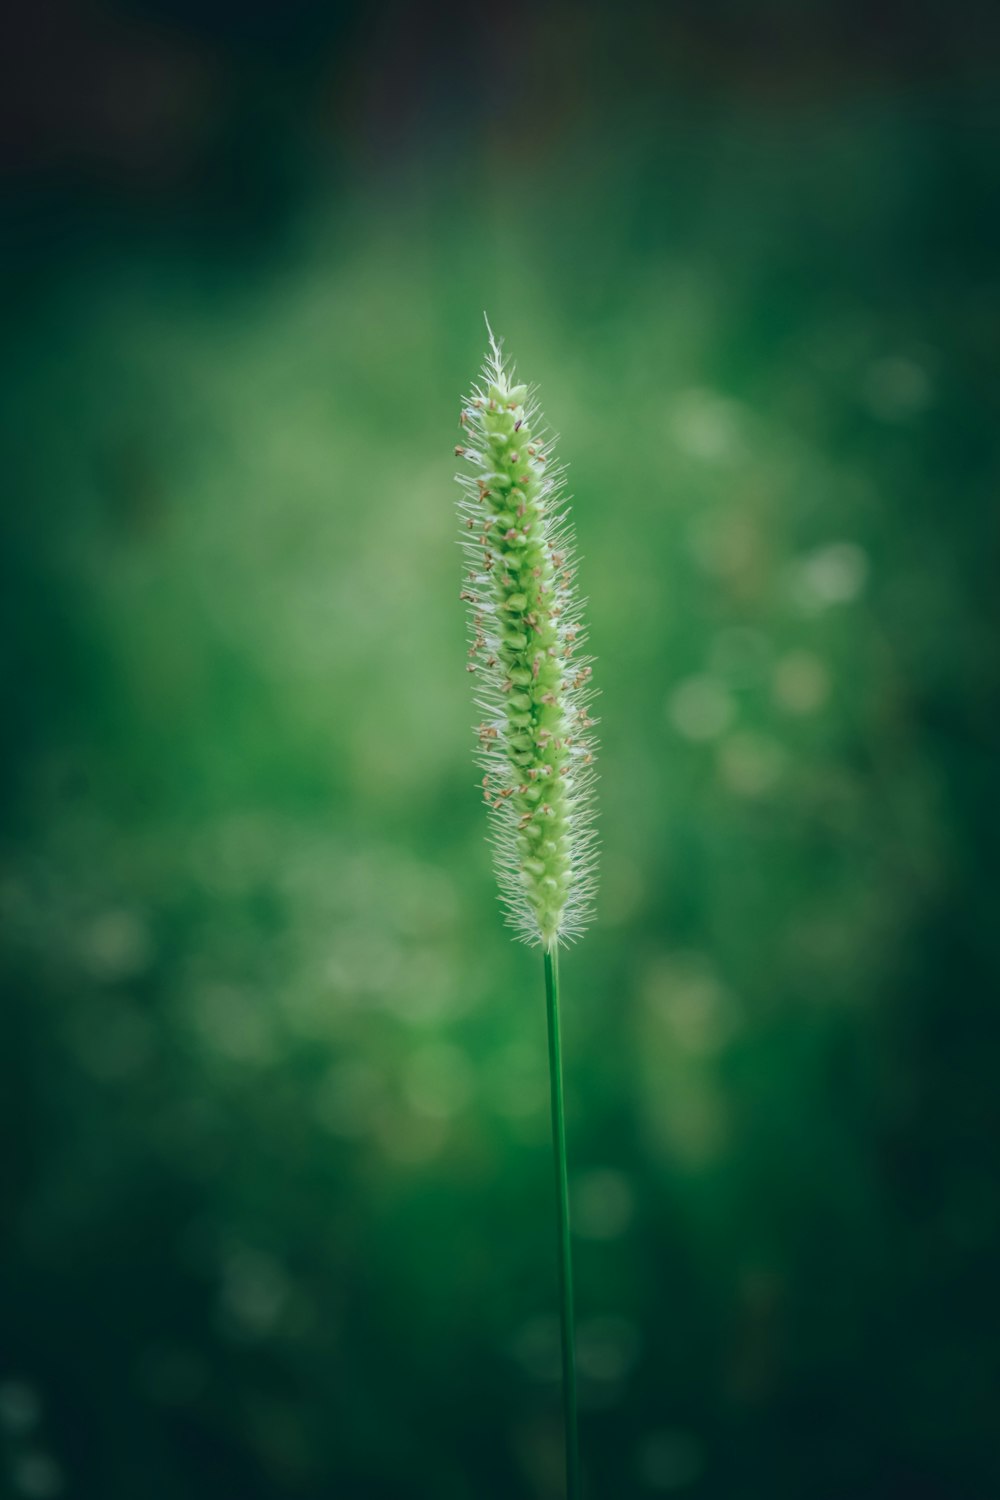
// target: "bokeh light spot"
[[701, 708]]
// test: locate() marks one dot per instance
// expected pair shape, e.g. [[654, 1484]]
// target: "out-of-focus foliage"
[[277, 1197]]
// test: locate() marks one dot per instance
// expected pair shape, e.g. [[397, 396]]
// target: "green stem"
[[562, 1202]]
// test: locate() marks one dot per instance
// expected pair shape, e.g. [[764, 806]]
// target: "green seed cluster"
[[534, 686]]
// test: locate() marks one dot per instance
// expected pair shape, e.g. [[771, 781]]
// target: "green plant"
[[535, 746]]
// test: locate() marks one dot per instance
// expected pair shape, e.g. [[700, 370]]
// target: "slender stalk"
[[562, 1207]]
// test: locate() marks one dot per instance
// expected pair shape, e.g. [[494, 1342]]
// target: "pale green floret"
[[535, 744]]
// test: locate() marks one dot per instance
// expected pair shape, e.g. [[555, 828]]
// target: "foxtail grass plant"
[[533, 694]]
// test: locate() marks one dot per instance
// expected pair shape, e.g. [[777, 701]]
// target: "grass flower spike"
[[534, 686], [536, 752]]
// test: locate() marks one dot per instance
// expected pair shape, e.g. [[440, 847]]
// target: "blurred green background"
[[276, 1203]]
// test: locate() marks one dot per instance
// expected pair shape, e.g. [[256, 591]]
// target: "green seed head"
[[535, 745]]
